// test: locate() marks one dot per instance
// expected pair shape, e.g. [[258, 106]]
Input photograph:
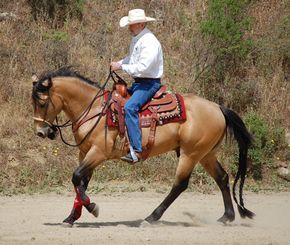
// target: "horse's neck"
[[76, 96]]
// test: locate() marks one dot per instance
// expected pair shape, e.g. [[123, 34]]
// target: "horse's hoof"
[[226, 218], [144, 224], [150, 219], [68, 222], [93, 209], [66, 225]]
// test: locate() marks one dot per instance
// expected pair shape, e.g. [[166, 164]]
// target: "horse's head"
[[46, 107]]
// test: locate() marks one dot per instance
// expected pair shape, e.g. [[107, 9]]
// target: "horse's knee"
[[177, 150], [77, 177]]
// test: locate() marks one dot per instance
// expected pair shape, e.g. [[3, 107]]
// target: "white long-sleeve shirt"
[[145, 57]]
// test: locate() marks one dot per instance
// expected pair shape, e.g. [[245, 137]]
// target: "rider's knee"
[[130, 109]]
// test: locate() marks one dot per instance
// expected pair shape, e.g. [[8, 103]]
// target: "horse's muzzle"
[[49, 132]]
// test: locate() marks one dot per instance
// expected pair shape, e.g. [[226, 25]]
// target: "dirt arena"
[[37, 219]]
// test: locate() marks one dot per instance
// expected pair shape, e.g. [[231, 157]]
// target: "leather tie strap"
[[121, 119], [151, 138]]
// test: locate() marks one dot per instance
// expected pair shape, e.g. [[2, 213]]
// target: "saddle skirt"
[[165, 107]]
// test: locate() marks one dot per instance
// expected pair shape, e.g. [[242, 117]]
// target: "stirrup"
[[128, 158]]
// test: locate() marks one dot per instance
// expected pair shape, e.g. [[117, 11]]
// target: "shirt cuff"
[[124, 67]]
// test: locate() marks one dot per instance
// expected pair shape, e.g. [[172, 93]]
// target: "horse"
[[195, 140]]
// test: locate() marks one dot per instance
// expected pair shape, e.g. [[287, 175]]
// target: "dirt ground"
[[37, 219]]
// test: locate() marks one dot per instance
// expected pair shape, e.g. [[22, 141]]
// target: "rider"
[[145, 64]]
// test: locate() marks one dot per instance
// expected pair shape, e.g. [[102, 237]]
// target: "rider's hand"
[[115, 66]]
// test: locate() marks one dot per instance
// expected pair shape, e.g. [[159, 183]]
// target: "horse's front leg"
[[80, 179], [81, 200]]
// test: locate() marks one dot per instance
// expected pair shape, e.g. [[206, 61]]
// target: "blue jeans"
[[142, 92]]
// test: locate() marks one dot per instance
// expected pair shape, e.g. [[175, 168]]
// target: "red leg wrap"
[[82, 197], [77, 208]]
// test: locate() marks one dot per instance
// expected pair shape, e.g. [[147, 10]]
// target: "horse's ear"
[[47, 83], [34, 78]]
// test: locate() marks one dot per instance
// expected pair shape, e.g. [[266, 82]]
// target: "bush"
[[223, 33], [56, 11], [56, 36], [225, 27], [266, 142]]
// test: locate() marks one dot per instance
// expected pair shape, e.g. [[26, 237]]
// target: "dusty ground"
[[190, 220]]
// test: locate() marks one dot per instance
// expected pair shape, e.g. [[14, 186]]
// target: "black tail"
[[237, 127]]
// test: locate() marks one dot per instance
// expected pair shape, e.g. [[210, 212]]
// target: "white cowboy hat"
[[135, 16]]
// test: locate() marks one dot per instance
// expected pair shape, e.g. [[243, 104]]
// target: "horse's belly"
[[166, 138]]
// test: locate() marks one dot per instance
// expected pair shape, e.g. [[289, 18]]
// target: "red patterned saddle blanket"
[[165, 107]]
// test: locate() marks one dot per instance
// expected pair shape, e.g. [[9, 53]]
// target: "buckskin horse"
[[195, 140]]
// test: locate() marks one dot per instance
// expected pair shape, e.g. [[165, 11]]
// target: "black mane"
[[67, 71], [62, 72]]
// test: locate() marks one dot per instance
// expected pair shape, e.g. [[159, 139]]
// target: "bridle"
[[43, 120], [44, 104], [58, 127]]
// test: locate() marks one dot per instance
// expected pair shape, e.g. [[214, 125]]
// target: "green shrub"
[[56, 36], [223, 31], [267, 141], [225, 26]]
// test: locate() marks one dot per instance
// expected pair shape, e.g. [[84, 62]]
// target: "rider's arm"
[[147, 55]]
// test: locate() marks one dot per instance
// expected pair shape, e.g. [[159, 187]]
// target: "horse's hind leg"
[[214, 168], [182, 177]]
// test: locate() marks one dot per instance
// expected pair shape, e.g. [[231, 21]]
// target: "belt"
[[146, 79]]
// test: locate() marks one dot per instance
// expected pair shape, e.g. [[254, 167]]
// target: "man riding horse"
[[196, 139], [145, 64]]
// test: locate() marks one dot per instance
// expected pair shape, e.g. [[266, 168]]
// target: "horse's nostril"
[[51, 134], [41, 134]]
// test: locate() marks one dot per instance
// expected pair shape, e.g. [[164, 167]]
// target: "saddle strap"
[[121, 119], [151, 138]]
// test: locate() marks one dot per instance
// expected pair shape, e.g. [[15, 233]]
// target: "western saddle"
[[163, 108]]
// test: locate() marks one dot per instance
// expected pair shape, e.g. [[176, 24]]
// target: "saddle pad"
[[177, 115]]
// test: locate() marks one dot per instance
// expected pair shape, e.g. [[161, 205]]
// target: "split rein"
[[58, 127]]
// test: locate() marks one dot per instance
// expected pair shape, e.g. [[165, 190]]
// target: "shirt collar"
[[142, 33]]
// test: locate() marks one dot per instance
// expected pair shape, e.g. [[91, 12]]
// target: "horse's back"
[[205, 122]]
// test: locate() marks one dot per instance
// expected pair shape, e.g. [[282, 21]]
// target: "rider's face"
[[135, 29]]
